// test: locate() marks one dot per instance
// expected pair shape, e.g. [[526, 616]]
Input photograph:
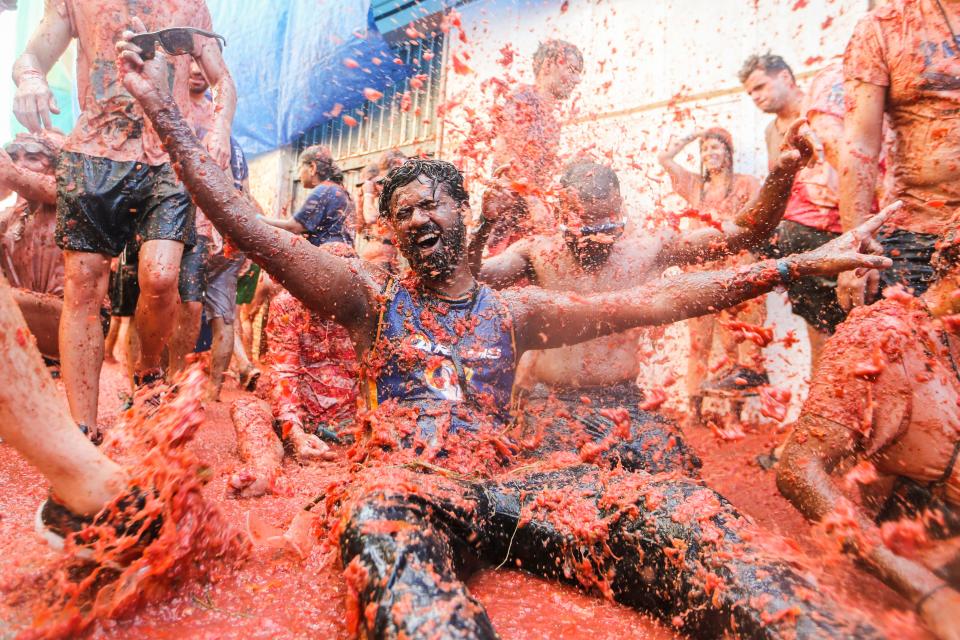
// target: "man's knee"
[[85, 279], [159, 268]]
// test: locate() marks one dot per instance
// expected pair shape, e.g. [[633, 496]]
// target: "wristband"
[[923, 599], [784, 270], [30, 73]]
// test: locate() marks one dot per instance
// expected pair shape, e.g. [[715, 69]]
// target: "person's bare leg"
[[131, 350], [42, 312], [110, 342], [35, 421], [158, 272], [241, 361], [221, 351], [81, 354], [817, 340], [184, 338], [701, 344]]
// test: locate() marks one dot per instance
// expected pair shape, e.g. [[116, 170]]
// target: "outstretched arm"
[[545, 320], [38, 187], [509, 267], [333, 286], [804, 475], [754, 224]]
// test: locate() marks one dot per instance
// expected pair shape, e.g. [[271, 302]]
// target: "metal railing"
[[384, 124]]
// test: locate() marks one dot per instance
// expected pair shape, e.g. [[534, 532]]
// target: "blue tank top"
[[435, 352]]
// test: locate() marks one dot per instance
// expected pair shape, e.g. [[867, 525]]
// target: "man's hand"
[[141, 78], [34, 102], [845, 252], [800, 146], [854, 289], [218, 144], [500, 202], [939, 613]]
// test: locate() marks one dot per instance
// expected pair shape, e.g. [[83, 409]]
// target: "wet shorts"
[[102, 204], [813, 298], [193, 271], [220, 300], [911, 254]]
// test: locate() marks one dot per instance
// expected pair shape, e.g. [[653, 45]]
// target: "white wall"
[[653, 68]]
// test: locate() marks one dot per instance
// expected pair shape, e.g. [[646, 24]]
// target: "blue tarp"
[[287, 60]]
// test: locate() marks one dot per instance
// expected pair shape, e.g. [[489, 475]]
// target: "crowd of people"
[[484, 369]]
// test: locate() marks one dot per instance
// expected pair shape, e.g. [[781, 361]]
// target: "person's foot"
[[308, 447], [739, 380], [95, 434], [249, 379], [768, 460], [148, 387], [55, 522]]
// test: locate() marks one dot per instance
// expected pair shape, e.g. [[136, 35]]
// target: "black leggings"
[[654, 542]]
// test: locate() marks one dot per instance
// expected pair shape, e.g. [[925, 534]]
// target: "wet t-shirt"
[[814, 198], [888, 377], [325, 215], [906, 46], [111, 124], [453, 359], [29, 256]]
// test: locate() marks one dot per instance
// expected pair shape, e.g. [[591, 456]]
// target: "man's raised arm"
[[755, 222], [331, 285], [546, 320], [33, 102]]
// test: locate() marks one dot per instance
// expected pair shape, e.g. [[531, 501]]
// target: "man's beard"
[[444, 260], [589, 254]]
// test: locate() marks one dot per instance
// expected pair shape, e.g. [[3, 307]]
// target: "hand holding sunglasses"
[[176, 41]]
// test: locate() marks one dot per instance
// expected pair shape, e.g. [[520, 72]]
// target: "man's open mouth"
[[428, 241]]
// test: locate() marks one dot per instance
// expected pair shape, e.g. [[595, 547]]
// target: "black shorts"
[[102, 204], [124, 283], [911, 254], [813, 298], [193, 271]]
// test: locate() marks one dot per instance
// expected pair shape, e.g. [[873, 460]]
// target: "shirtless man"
[[528, 137], [112, 163], [29, 257], [598, 252], [439, 352], [902, 61], [886, 396]]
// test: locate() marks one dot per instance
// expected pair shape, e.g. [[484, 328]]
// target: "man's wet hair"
[[555, 49], [440, 172], [769, 63], [322, 160], [591, 180]]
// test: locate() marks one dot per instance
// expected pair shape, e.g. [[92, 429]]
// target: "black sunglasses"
[[608, 228], [176, 41]]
